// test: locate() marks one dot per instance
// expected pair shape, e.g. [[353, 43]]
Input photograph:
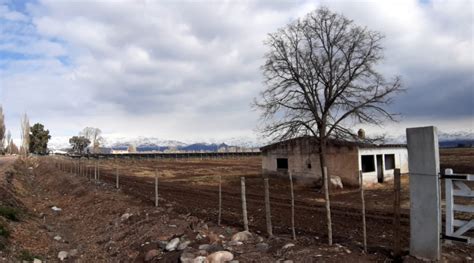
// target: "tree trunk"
[[322, 160]]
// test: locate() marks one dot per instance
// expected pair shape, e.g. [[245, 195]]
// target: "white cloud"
[[182, 70]]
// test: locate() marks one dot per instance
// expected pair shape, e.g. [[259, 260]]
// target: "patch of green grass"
[[9, 213]]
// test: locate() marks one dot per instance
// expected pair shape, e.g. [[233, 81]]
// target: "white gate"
[[456, 186]]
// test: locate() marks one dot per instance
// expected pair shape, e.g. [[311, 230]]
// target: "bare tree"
[[2, 130], [8, 142], [320, 75], [94, 135], [25, 135]]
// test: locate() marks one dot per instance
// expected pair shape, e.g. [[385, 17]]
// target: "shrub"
[[9, 213], [4, 231]]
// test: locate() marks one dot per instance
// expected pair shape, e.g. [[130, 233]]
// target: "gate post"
[[425, 216]]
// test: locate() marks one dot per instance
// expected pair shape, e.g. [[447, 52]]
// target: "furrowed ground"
[[93, 224]]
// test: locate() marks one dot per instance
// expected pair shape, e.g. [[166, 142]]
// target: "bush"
[[4, 231], [9, 213], [26, 255]]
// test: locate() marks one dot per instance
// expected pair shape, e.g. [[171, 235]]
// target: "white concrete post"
[[244, 204], [425, 216]]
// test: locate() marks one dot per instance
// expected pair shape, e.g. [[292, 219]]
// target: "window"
[[389, 161], [368, 163], [282, 163]]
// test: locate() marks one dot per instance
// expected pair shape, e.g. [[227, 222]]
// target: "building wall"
[[341, 161], [401, 161]]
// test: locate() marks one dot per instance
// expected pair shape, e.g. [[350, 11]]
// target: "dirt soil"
[[98, 223]]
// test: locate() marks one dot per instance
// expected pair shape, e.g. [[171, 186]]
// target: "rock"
[[263, 247], [468, 259], [234, 261], [57, 238], [220, 257], [73, 252], [62, 255], [200, 259], [173, 244], [204, 247], [287, 246], [37, 261], [242, 236], [235, 243], [186, 257], [151, 254], [184, 245], [56, 209], [125, 216], [288, 261], [336, 182]]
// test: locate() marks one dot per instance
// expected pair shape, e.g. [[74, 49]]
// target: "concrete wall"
[[341, 161], [401, 161]]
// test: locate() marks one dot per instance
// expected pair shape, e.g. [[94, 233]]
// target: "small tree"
[[8, 140], [320, 74], [2, 131], [79, 143], [94, 135], [132, 148], [25, 135], [39, 138]]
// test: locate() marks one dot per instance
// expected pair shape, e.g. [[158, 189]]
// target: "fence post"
[[268, 213], [244, 204], [449, 204], [396, 213], [425, 215], [116, 177], [156, 188], [219, 216], [328, 206], [95, 170], [362, 197], [292, 193]]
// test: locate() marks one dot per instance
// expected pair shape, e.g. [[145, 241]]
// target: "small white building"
[[344, 159]]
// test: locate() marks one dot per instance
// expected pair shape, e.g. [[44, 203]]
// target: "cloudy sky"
[[189, 70]]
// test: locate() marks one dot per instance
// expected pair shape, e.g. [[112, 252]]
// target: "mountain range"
[[156, 144]]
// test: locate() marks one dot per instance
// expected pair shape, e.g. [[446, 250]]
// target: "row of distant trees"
[[34, 139]]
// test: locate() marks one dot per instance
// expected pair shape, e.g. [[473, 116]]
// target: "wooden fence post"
[[156, 188], [396, 213], [219, 216], [362, 197], [328, 206], [244, 204], [117, 177], [292, 193], [268, 213]]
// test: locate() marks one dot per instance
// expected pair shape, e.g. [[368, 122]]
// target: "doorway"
[[380, 168]]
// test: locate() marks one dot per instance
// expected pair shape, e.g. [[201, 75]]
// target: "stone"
[[200, 259], [288, 261], [220, 257], [57, 238], [125, 216], [186, 257], [336, 182], [173, 244], [184, 245], [56, 209], [62, 255], [204, 247], [151, 254], [263, 247], [37, 260], [242, 236], [235, 243], [73, 252], [287, 246]]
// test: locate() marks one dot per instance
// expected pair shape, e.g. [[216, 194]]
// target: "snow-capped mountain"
[[152, 143]]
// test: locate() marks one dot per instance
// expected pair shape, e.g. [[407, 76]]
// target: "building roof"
[[332, 142]]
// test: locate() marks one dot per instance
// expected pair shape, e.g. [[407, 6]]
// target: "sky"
[[189, 70]]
